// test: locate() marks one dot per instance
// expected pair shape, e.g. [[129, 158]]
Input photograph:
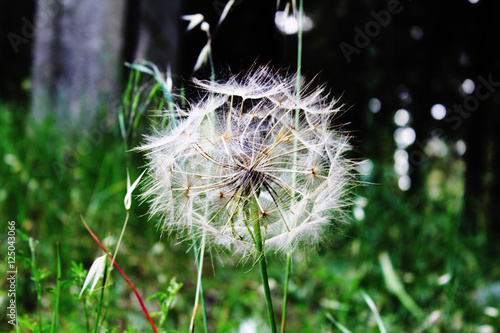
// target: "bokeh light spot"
[[438, 111], [416, 32], [400, 155], [289, 24], [404, 136], [436, 147], [404, 95], [402, 167], [359, 213], [365, 167], [374, 105], [404, 183], [401, 117], [461, 147], [401, 164], [468, 86]]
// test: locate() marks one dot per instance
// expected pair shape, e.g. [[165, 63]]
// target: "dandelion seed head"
[[253, 139]]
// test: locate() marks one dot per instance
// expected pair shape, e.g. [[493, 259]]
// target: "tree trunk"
[[77, 60], [158, 32]]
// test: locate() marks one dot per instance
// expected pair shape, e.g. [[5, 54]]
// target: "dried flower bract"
[[253, 148]]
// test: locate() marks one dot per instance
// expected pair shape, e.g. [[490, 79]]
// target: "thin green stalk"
[[101, 298], [106, 308], [261, 258], [106, 293], [297, 117], [58, 292], [38, 283], [202, 294], [285, 292], [299, 43], [212, 66], [120, 240], [86, 312], [199, 259], [107, 274], [199, 286]]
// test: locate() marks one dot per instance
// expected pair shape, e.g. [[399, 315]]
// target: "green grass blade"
[[336, 323], [395, 286], [128, 88], [373, 307], [38, 282], [141, 68]]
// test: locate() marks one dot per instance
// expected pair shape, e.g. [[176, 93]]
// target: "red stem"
[[146, 313]]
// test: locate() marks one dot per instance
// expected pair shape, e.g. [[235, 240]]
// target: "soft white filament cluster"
[[252, 148]]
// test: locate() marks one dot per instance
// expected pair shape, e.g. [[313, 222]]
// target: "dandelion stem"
[[259, 247], [267, 291]]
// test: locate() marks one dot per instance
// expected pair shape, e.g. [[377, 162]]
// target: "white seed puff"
[[252, 140]]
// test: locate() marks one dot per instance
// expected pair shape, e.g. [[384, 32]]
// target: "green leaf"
[[159, 295]]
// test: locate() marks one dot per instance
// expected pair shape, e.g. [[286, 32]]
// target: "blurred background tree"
[[77, 56]]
